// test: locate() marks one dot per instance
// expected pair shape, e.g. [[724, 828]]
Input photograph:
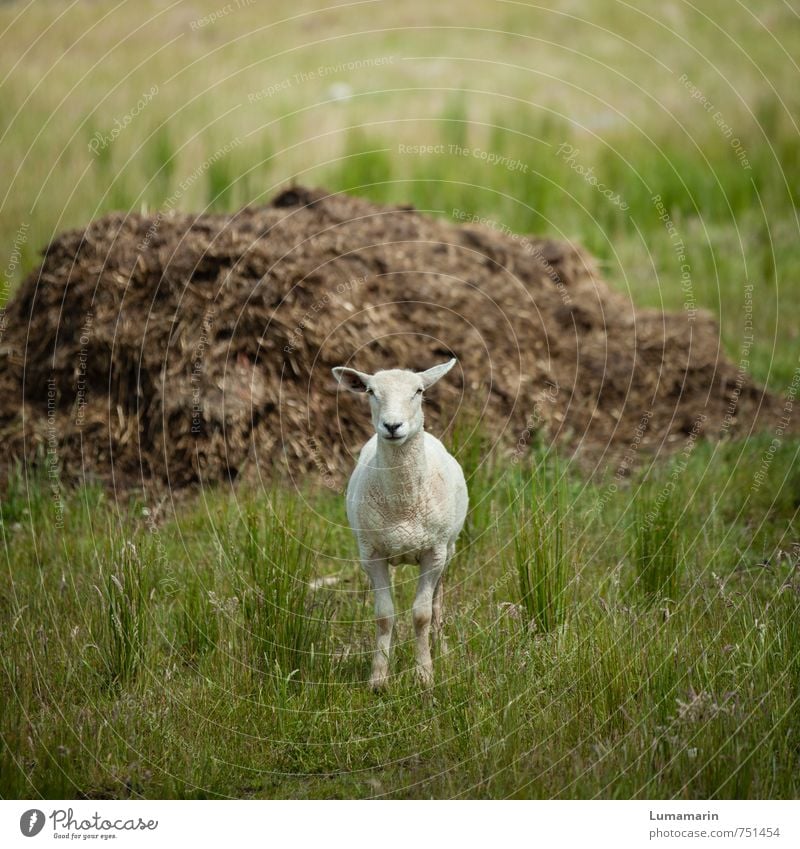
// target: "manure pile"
[[183, 348]]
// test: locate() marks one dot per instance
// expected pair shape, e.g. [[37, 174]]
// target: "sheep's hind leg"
[[437, 631], [437, 625], [378, 570], [432, 566]]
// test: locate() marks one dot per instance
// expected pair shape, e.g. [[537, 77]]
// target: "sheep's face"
[[395, 397]]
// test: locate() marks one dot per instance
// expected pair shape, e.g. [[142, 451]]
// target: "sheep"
[[406, 503]]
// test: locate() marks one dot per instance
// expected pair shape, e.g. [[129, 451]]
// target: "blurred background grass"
[[694, 104]]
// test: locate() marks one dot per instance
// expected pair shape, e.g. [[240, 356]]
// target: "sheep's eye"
[[418, 392], [369, 391]]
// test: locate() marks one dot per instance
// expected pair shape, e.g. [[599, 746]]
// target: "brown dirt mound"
[[187, 348]]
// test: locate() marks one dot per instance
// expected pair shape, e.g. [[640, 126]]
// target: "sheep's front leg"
[[378, 570], [432, 565]]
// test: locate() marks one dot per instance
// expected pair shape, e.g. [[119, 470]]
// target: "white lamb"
[[406, 503]]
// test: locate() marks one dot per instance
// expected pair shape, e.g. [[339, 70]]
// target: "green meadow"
[[619, 636]]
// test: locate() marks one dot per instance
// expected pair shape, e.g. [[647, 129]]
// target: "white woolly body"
[[402, 511]]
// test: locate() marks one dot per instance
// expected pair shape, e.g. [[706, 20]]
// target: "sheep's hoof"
[[424, 675], [378, 681]]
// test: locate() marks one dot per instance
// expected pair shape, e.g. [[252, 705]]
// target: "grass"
[[212, 663], [542, 559], [220, 647], [286, 622], [122, 639], [657, 541]]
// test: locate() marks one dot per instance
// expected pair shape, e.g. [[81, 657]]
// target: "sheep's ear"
[[430, 376], [350, 379]]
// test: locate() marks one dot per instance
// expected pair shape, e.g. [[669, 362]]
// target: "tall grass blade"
[[542, 563]]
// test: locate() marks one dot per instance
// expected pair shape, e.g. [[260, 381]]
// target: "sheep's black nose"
[[392, 427]]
